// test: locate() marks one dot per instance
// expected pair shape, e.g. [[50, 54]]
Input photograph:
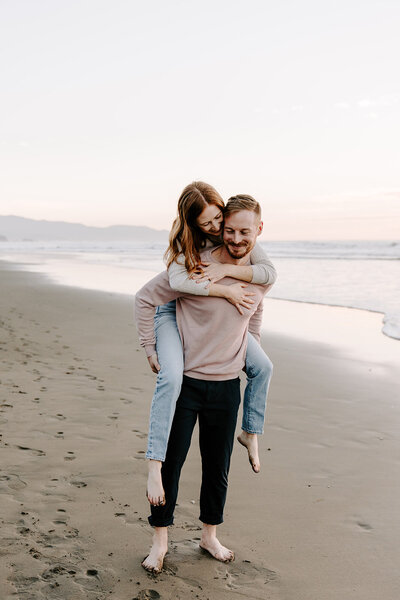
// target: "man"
[[214, 337]]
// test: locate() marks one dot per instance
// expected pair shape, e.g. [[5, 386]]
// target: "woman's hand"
[[209, 271], [153, 362], [236, 295]]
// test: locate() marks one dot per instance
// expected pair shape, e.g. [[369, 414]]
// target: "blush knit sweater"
[[213, 332]]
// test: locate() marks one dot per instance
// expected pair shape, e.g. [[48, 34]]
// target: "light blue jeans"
[[169, 380]]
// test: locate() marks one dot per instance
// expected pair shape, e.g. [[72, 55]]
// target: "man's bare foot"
[[210, 543], [250, 441], [155, 491], [154, 561]]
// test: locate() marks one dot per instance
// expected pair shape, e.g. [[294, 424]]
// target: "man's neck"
[[222, 255]]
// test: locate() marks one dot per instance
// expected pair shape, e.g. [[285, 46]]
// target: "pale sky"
[[109, 108]]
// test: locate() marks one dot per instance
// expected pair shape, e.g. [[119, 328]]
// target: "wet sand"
[[321, 520]]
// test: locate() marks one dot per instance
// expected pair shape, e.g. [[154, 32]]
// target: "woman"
[[199, 225]]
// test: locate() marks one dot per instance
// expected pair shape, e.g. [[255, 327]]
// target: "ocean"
[[359, 274]]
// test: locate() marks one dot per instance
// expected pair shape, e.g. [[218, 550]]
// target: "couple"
[[197, 343]]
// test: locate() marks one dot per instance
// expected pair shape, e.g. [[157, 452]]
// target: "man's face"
[[240, 232]]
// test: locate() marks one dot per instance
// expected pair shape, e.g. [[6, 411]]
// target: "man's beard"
[[238, 251]]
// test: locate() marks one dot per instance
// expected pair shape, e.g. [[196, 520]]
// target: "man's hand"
[[153, 362], [210, 271], [236, 295]]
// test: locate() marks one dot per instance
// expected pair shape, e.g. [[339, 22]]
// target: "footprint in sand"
[[57, 570], [78, 484], [187, 548], [365, 526], [140, 434], [23, 583], [245, 575], [12, 481], [147, 595], [35, 553], [71, 456], [126, 401], [62, 521], [32, 450], [140, 455]]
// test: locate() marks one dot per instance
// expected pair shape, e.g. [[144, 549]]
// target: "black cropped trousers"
[[215, 404]]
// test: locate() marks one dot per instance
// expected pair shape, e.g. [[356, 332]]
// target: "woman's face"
[[210, 220]]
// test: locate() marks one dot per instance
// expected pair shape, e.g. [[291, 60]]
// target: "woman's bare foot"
[[155, 491], [212, 545], [154, 561], [250, 441]]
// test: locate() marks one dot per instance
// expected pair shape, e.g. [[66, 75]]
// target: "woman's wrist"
[[239, 272], [219, 291], [228, 271]]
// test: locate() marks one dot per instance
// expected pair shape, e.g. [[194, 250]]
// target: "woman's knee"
[[262, 366], [170, 379]]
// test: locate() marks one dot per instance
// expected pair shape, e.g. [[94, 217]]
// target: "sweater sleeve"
[[180, 282], [263, 270], [155, 293], [255, 322], [256, 319]]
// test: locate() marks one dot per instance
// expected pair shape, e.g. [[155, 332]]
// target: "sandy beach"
[[320, 522]]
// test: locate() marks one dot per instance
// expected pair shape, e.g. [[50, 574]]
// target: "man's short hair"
[[242, 202]]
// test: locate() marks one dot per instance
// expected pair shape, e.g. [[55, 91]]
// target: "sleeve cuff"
[[150, 349]]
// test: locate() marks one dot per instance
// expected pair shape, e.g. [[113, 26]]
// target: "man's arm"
[[155, 293]]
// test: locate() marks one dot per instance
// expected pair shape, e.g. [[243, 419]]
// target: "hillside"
[[14, 228]]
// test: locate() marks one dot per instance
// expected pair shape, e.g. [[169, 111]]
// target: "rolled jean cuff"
[[215, 520], [251, 430], [155, 457], [154, 522]]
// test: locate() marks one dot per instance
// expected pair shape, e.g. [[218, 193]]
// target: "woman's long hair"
[[185, 236]]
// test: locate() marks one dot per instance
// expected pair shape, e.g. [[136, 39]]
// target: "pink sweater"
[[214, 334]]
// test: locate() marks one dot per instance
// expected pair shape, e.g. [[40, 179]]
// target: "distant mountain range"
[[14, 229]]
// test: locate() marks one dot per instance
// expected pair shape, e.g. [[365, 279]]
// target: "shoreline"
[[318, 522], [121, 277], [299, 328]]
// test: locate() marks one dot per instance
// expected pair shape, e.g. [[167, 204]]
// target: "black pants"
[[216, 404]]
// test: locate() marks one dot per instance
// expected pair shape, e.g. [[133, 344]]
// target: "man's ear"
[[260, 228]]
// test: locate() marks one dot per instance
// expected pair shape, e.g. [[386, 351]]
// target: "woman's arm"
[[261, 271], [235, 293], [264, 271], [180, 281]]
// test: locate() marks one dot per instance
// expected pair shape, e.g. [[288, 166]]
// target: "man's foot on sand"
[[155, 560], [217, 550], [155, 491], [250, 441]]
